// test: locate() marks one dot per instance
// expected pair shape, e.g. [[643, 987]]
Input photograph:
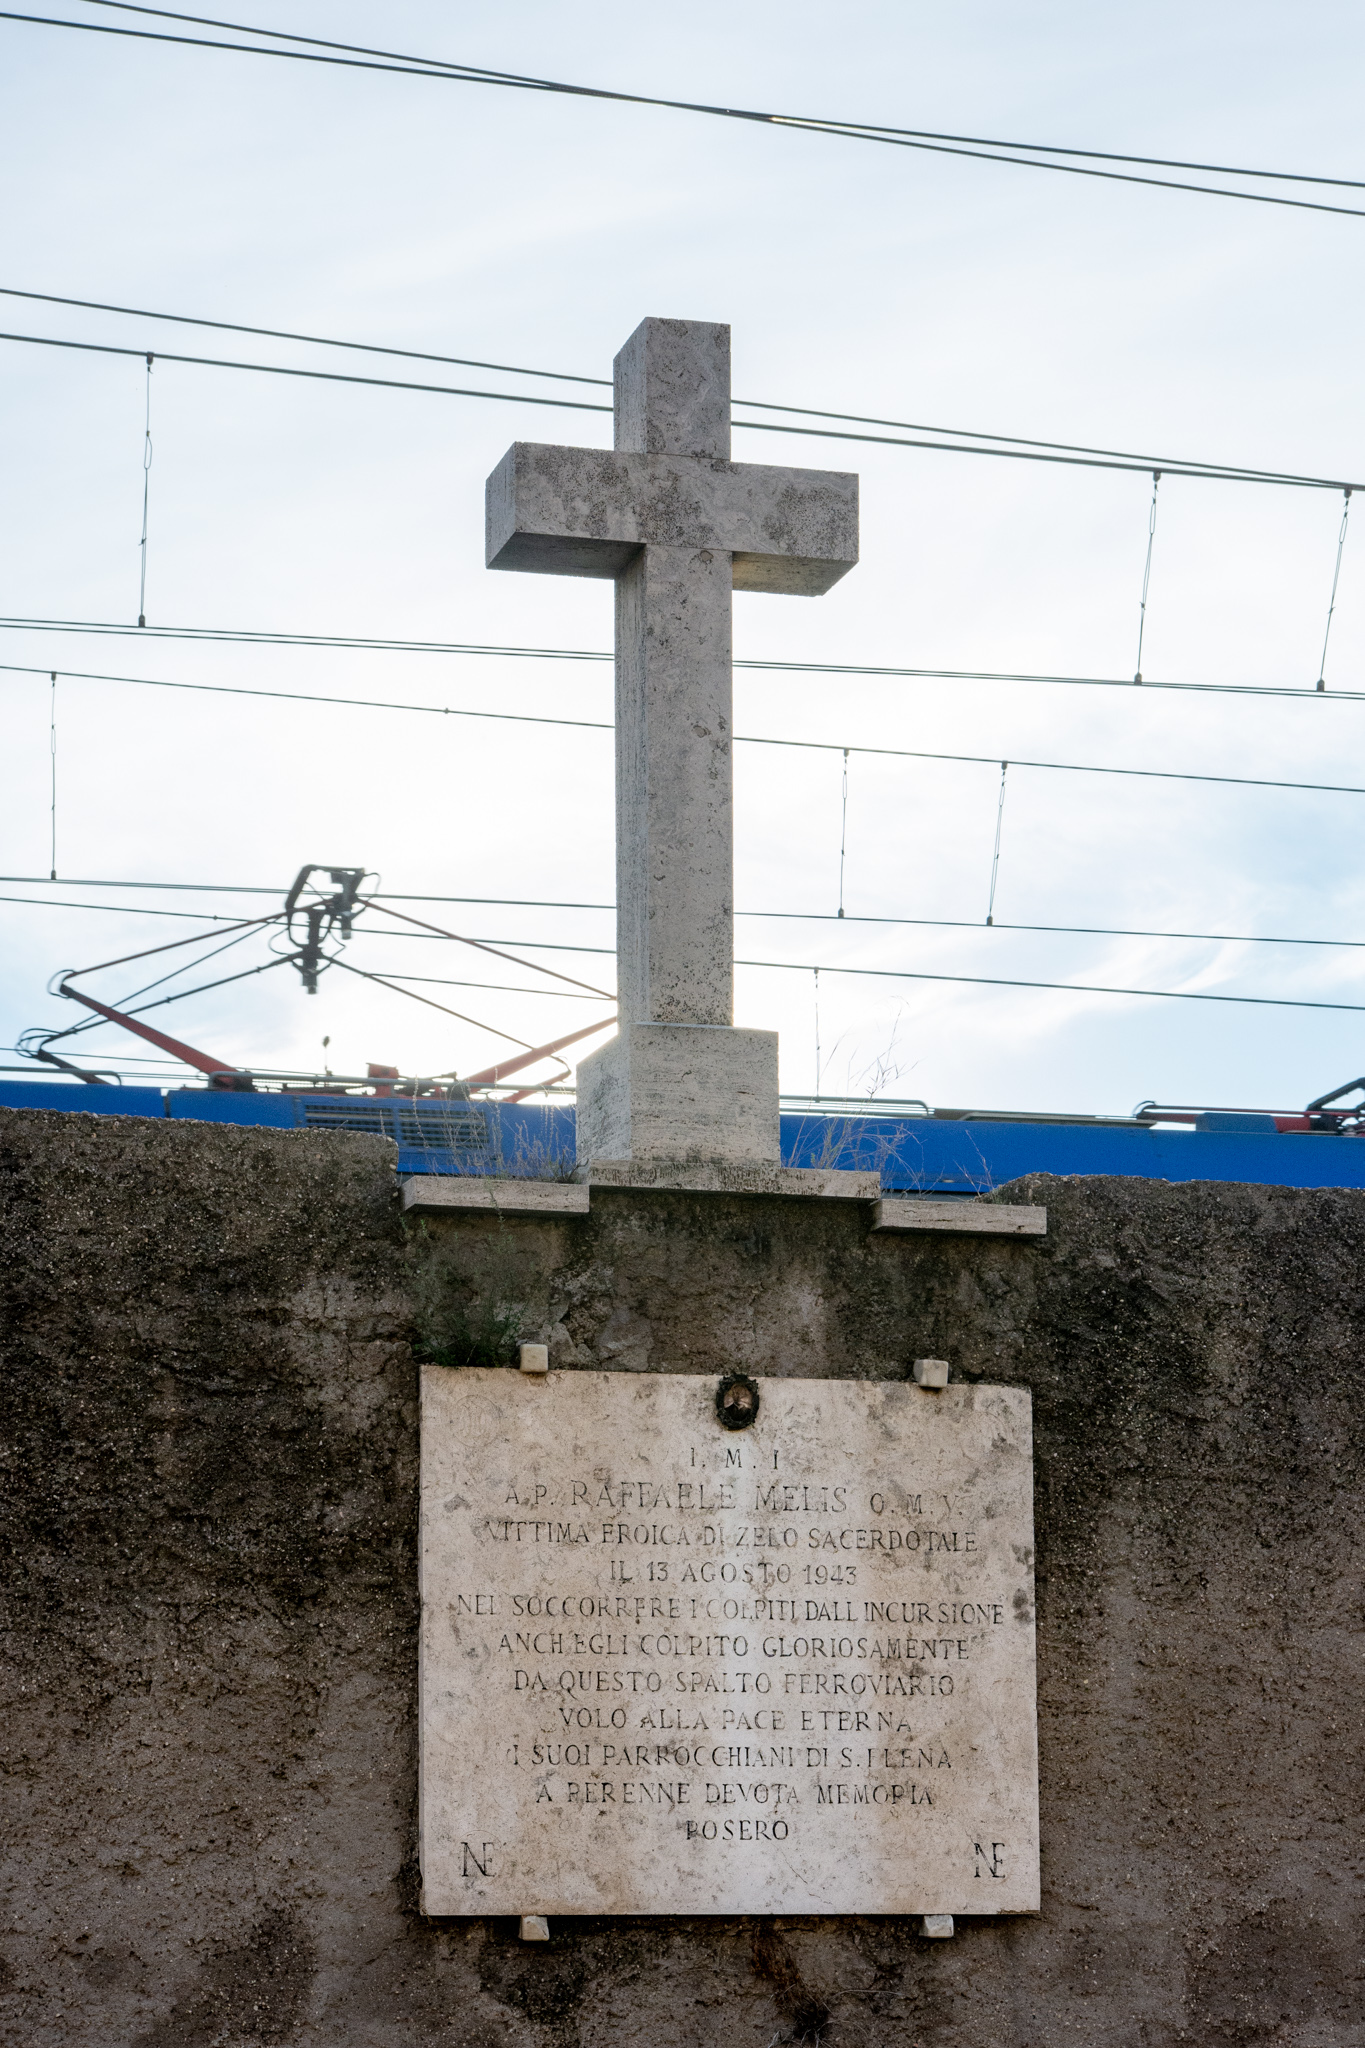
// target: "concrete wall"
[[208, 1548]]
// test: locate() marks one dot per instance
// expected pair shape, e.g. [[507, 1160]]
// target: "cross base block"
[[682, 1093]]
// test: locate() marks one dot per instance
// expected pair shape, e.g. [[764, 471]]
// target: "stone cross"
[[678, 526]]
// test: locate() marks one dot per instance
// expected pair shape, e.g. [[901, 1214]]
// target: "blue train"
[[951, 1153]]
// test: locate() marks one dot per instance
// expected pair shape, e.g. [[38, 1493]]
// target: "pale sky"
[[537, 230]]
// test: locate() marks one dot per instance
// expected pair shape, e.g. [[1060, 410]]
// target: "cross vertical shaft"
[[674, 775], [674, 797]]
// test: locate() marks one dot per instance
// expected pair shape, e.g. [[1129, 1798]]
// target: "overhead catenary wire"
[[971, 980], [816, 984], [1012, 448], [1232, 472], [1073, 988], [955, 924], [373, 348], [1332, 602], [558, 995], [978, 980], [52, 748], [109, 348], [113, 629], [995, 856], [1038, 452], [1147, 574], [740, 739], [551, 1052], [484, 946], [146, 489], [129, 909], [367, 975], [351, 56], [876, 128]]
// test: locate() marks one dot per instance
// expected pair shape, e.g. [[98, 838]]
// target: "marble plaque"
[[668, 1667]]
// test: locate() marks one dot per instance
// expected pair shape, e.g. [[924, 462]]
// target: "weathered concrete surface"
[[750, 1177], [564, 511], [209, 1517], [435, 1193], [671, 390], [975, 1214], [673, 1093]]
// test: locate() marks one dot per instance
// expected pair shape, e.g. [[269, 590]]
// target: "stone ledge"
[[723, 1177], [432, 1193], [960, 1213]]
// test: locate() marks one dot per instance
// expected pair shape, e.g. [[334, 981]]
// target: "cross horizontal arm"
[[589, 511]]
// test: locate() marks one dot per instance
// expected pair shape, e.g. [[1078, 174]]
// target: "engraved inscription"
[[666, 1672]]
